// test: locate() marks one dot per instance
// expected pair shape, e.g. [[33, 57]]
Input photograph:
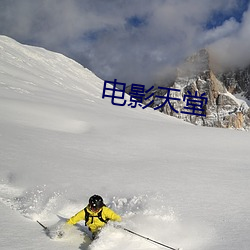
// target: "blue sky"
[[134, 41], [218, 17]]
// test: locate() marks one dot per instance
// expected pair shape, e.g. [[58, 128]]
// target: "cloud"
[[133, 41], [228, 28], [233, 49]]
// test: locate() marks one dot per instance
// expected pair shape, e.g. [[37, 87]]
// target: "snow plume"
[[147, 215], [36, 203], [133, 41]]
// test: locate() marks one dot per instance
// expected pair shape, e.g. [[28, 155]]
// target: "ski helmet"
[[95, 202]]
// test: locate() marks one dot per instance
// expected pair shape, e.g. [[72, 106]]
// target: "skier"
[[95, 214]]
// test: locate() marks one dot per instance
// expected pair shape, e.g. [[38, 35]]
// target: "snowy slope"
[[60, 142]]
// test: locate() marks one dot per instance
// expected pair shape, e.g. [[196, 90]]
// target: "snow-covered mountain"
[[237, 82], [60, 142], [223, 108]]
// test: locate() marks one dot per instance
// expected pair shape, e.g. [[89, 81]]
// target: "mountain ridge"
[[223, 109]]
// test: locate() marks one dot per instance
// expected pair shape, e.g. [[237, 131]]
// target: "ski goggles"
[[94, 208]]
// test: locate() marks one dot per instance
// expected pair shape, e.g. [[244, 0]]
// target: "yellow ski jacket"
[[94, 223]]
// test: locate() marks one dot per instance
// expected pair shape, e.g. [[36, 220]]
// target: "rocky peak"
[[196, 64], [222, 109]]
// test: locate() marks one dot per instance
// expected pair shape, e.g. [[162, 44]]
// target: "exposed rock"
[[237, 81], [222, 108]]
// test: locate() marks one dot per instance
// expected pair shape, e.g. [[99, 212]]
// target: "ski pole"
[[146, 238], [45, 228]]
